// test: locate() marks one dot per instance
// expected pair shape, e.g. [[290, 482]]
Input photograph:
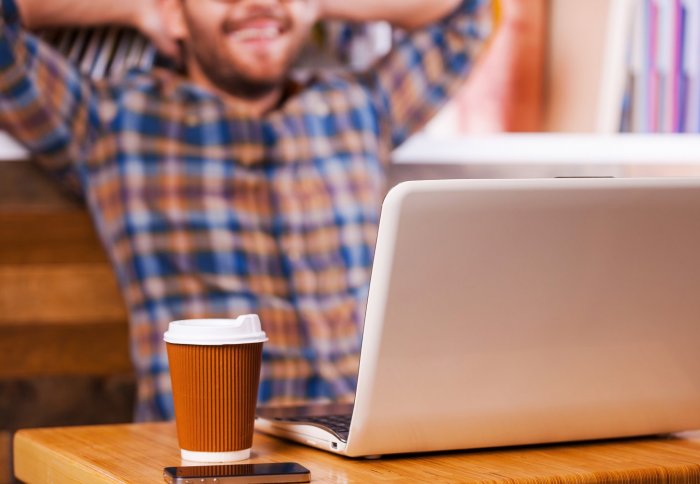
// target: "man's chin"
[[263, 71], [252, 88], [274, 79]]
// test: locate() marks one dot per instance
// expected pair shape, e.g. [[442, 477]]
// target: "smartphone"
[[238, 473]]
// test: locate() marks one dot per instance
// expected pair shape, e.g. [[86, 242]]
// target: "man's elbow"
[[433, 11]]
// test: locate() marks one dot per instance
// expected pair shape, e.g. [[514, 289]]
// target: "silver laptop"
[[509, 312]]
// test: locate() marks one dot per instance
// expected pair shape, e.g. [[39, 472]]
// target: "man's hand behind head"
[[149, 20]]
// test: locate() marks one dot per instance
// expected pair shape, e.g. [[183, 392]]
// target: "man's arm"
[[405, 14], [427, 64], [44, 102], [40, 13], [141, 14]]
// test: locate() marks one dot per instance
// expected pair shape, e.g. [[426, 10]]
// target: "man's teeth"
[[255, 33]]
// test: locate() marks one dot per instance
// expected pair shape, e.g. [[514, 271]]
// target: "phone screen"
[[292, 470]]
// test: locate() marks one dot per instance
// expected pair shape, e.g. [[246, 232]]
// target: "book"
[[691, 68], [615, 66]]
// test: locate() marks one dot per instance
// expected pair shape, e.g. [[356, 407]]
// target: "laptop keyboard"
[[338, 424]]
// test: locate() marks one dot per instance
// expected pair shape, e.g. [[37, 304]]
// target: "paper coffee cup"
[[215, 371]]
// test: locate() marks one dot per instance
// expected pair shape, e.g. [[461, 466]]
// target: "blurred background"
[[564, 88]]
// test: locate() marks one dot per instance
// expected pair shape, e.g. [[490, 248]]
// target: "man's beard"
[[232, 82], [223, 74]]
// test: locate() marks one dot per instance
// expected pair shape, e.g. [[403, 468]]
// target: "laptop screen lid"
[[506, 312]]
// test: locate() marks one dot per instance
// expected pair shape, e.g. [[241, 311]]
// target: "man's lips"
[[255, 33]]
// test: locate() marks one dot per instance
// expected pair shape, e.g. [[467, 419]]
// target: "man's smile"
[[262, 30]]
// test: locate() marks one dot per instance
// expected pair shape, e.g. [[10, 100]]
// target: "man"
[[236, 190]]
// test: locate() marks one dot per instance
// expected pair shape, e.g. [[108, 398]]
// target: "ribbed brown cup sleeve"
[[215, 390]]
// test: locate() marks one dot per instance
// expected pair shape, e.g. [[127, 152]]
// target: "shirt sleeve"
[[45, 104], [426, 67]]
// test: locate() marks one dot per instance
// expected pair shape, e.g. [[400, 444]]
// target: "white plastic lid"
[[242, 330]]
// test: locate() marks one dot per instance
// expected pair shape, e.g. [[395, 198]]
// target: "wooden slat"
[[24, 186], [77, 293], [88, 349], [5, 457], [49, 401], [36, 237]]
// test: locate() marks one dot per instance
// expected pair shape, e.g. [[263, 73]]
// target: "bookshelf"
[[585, 64], [573, 59], [586, 59], [574, 149], [623, 65], [545, 155]]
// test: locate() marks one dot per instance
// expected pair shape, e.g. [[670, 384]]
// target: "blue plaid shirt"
[[207, 212]]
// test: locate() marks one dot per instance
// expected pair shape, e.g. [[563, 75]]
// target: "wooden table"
[[138, 453]]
